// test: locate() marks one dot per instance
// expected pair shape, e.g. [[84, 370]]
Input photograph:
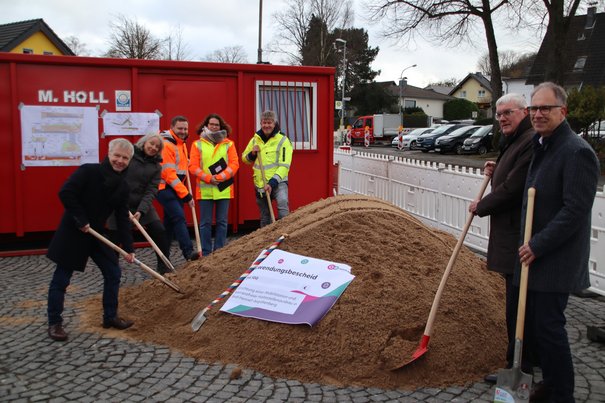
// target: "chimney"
[[590, 17]]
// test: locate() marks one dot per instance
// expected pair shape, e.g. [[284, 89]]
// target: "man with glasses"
[[503, 206], [565, 172]]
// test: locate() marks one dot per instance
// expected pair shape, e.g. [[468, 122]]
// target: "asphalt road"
[[469, 160]]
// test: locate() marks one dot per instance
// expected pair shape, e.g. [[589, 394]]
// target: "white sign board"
[[130, 124], [59, 135], [290, 288]]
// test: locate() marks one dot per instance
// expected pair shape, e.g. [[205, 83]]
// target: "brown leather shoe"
[[56, 332], [117, 323]]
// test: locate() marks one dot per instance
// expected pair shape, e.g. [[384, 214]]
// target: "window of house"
[[481, 93], [48, 53], [580, 62], [295, 104], [28, 50], [409, 103], [463, 94]]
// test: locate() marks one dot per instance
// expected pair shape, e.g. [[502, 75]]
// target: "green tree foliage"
[[415, 119], [368, 99], [585, 108], [457, 109]]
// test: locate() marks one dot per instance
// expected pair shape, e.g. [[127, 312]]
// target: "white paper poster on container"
[[130, 124], [59, 135], [290, 288]]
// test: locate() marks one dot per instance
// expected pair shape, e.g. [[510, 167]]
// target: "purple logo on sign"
[[325, 285], [280, 261]]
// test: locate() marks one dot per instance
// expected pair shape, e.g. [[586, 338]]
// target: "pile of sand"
[[377, 322]]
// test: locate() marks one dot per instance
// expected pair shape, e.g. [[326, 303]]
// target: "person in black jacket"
[[89, 196], [564, 170], [503, 206], [143, 178]]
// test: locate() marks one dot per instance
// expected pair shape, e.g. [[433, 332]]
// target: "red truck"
[[382, 127]]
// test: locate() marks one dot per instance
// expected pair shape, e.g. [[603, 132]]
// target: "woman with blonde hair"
[[143, 178]]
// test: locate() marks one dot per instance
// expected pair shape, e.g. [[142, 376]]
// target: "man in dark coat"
[[503, 205], [564, 171], [89, 196]]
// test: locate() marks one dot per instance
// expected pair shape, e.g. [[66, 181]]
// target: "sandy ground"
[[375, 325]]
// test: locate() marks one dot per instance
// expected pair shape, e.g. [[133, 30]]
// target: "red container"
[[238, 92]]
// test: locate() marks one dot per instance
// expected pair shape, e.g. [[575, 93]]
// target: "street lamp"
[[344, 77], [402, 83]]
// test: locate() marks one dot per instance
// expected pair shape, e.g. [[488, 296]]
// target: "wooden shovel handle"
[[433, 313], [262, 173], [529, 218], [146, 268], [151, 242], [196, 229]]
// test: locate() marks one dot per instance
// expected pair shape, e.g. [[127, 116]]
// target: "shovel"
[[153, 244], [514, 385], [137, 261], [428, 330], [200, 318], [262, 173], [196, 229]]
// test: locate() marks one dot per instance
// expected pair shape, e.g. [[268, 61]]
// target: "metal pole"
[[401, 83], [260, 32], [344, 78]]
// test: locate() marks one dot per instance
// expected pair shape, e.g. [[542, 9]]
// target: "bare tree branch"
[[131, 40], [293, 24], [229, 54]]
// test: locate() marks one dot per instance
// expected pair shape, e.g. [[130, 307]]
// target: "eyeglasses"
[[506, 113], [544, 109]]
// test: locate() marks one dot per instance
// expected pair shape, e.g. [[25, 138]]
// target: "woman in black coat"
[[143, 178], [89, 196]]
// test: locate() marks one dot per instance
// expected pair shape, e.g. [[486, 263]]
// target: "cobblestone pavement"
[[93, 368]]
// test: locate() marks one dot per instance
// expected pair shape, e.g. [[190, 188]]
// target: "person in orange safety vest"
[[173, 192], [214, 162]]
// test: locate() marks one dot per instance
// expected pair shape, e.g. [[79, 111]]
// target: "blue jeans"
[[62, 277], [220, 236], [283, 208], [174, 220]]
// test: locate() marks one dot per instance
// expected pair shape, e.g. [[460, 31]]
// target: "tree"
[[131, 40], [373, 98], [512, 64], [560, 14], [445, 22], [449, 82], [174, 47], [228, 54], [457, 109], [585, 106], [77, 46], [294, 23]]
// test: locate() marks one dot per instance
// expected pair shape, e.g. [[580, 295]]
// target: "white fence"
[[440, 194]]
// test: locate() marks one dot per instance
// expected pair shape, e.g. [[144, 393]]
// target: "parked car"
[[453, 142], [409, 140], [426, 142], [479, 142]]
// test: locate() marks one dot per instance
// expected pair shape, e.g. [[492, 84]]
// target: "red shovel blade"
[[420, 351]]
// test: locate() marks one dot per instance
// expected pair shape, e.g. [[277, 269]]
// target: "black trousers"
[[545, 328]]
